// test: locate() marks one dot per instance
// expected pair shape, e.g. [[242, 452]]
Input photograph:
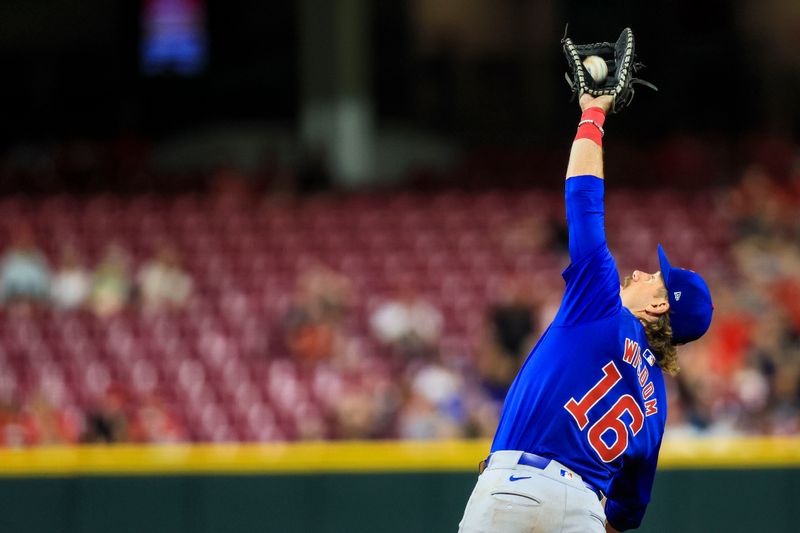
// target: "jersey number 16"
[[611, 420]]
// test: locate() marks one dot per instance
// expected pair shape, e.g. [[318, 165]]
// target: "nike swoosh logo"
[[515, 478]]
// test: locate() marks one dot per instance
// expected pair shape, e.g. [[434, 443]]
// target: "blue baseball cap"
[[690, 306]]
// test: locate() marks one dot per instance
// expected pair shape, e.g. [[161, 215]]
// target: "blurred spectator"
[[408, 323], [153, 422], [108, 422], [71, 282], [327, 293], [24, 276], [434, 409], [510, 337], [12, 427], [308, 337], [312, 322], [111, 285], [163, 284], [355, 414], [530, 234], [309, 423], [483, 415], [47, 425], [420, 420], [512, 322], [754, 203]]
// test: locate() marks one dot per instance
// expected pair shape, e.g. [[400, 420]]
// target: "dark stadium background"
[[325, 158], [76, 72]]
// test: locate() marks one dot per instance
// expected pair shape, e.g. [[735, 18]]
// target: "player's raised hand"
[[604, 69], [603, 102]]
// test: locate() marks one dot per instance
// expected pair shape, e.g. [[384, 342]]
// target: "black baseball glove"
[[622, 67]]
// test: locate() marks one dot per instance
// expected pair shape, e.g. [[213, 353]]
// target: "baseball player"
[[578, 439]]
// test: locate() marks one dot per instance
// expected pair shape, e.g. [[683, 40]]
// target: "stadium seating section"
[[217, 365]]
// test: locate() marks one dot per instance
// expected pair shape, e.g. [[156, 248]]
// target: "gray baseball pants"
[[514, 498]]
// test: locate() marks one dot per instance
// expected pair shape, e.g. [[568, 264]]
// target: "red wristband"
[[591, 125]]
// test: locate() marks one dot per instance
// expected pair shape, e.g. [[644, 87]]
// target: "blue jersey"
[[590, 395]]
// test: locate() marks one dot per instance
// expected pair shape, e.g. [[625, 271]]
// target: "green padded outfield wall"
[[686, 501], [120, 499]]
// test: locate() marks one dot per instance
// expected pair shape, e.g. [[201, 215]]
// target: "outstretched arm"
[[584, 191], [592, 282], [586, 156]]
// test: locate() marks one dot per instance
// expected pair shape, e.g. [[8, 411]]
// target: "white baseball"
[[596, 67]]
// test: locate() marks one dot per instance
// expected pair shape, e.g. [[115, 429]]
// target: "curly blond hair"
[[659, 337]]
